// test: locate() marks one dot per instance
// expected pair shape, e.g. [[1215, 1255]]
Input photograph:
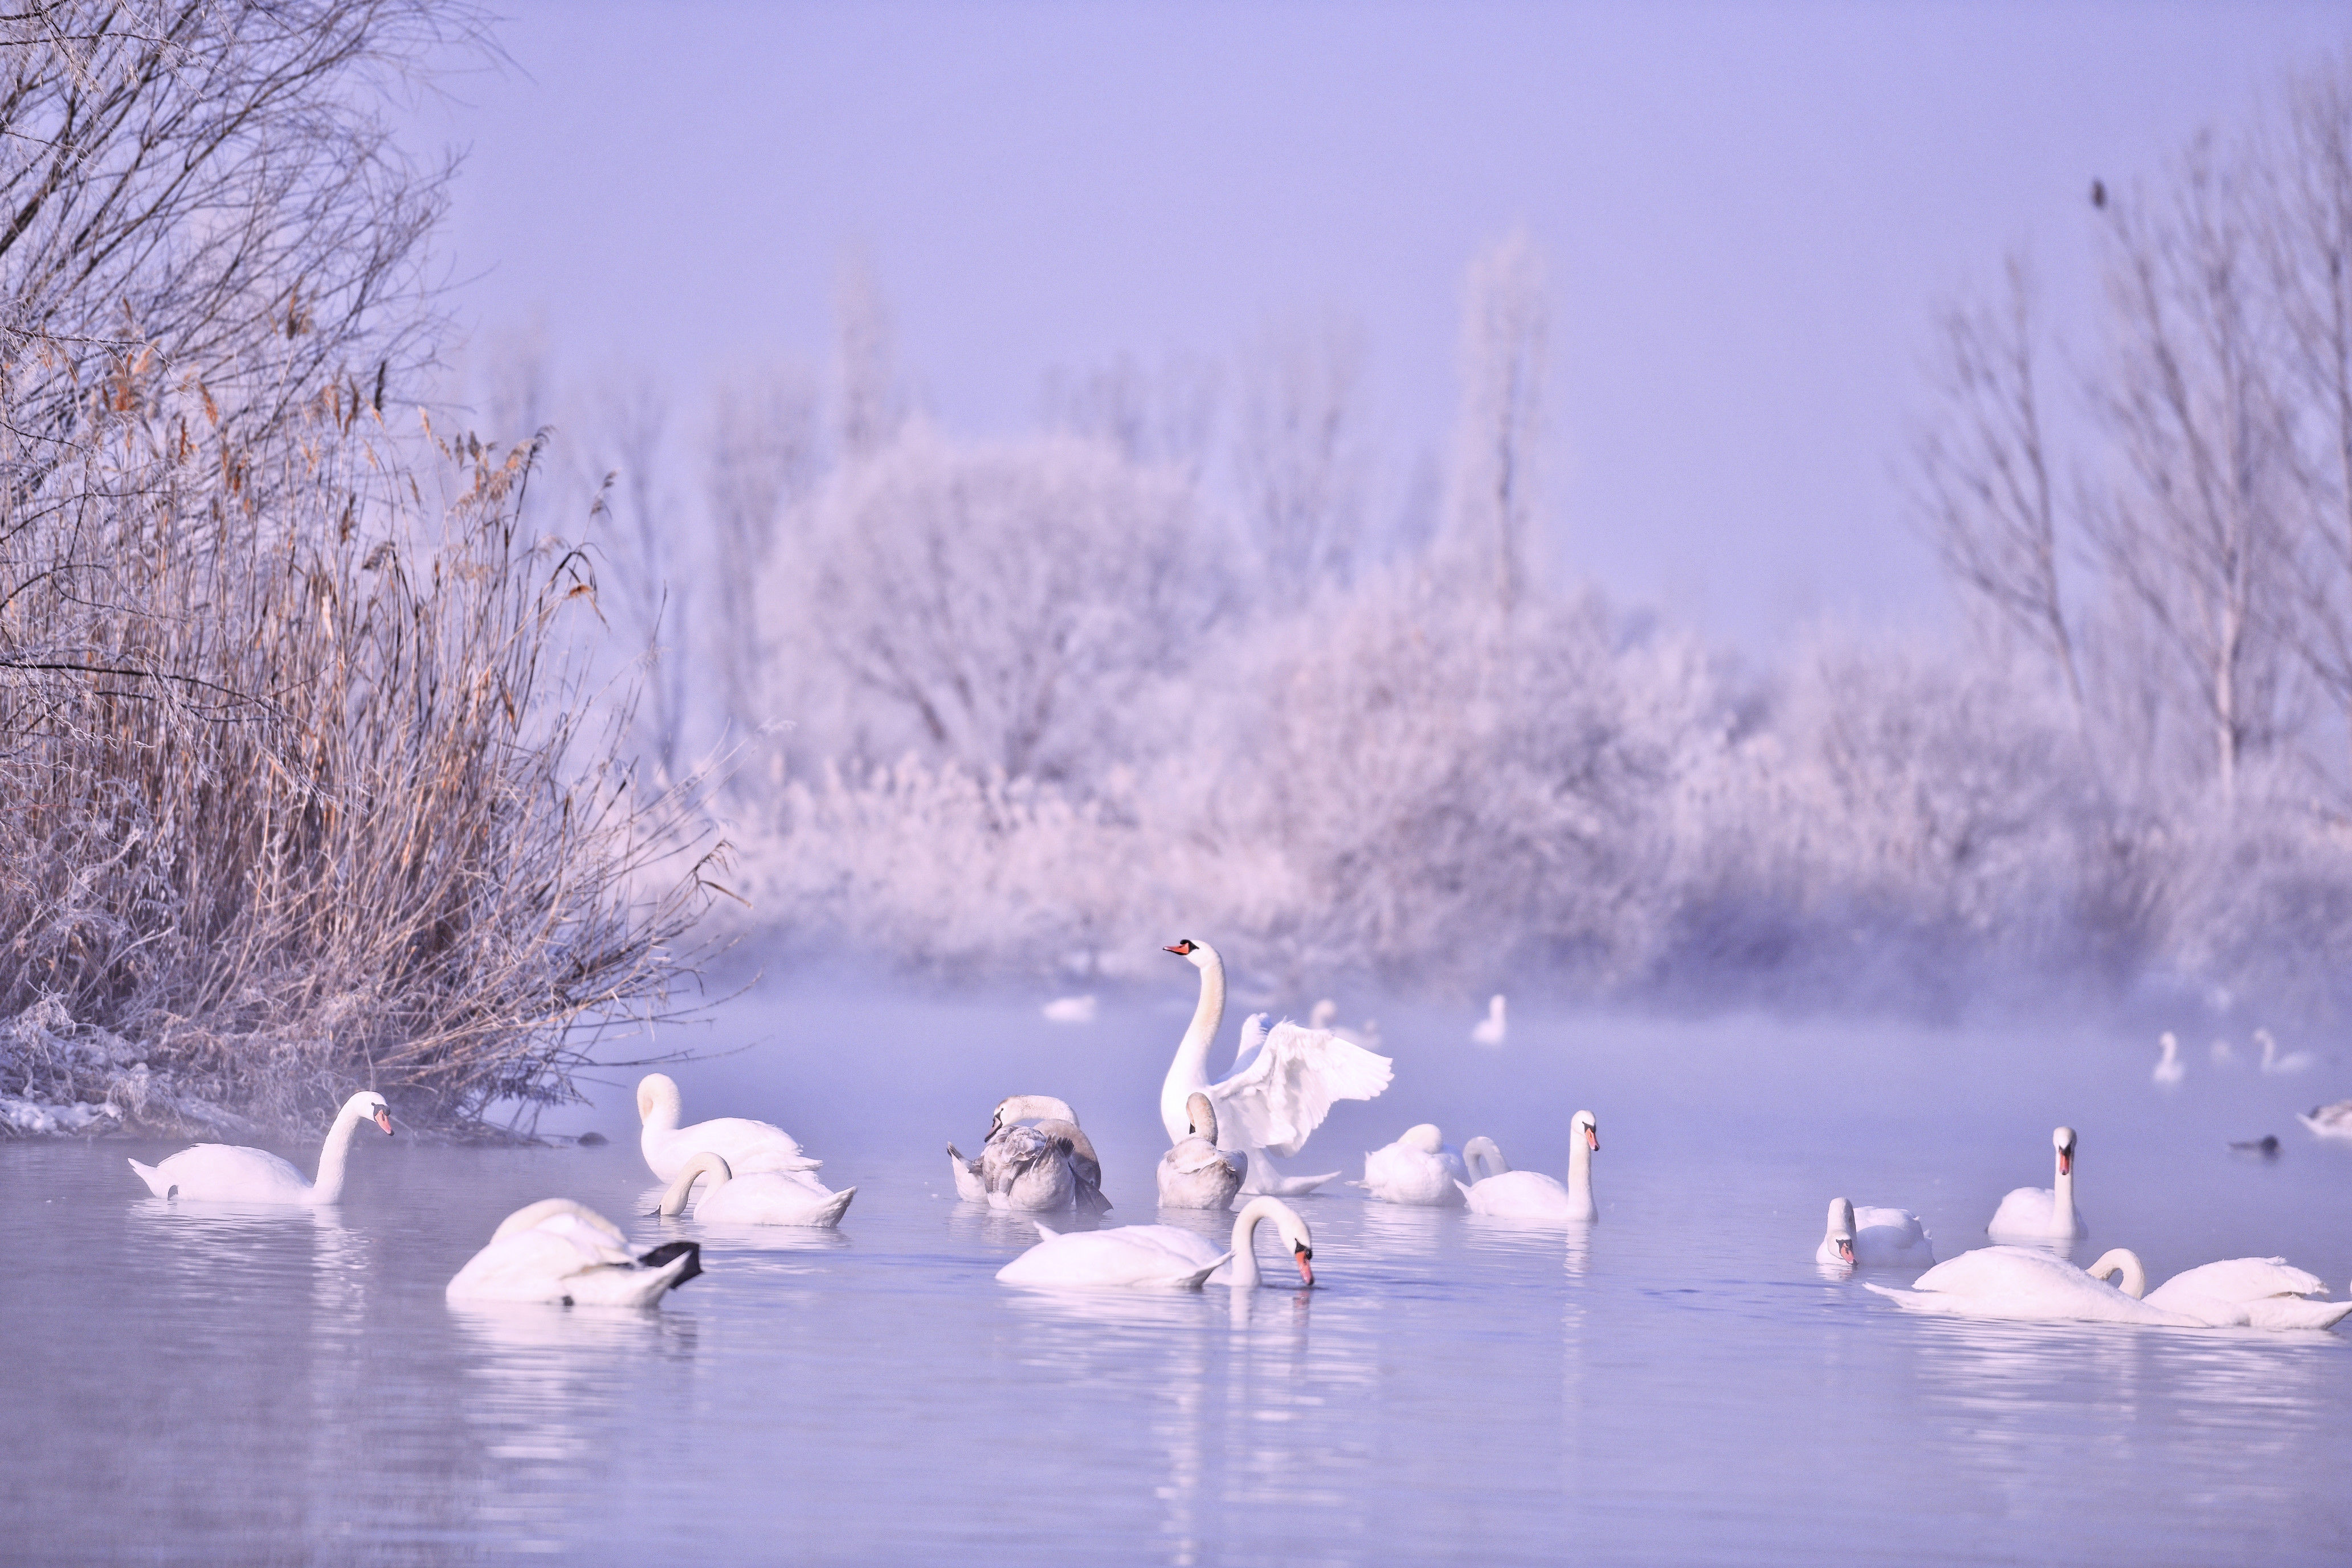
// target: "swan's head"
[[656, 1092], [1201, 1117], [1588, 1129], [1300, 1239], [367, 1105], [2062, 1140], [1425, 1138], [1841, 1230], [1199, 954]]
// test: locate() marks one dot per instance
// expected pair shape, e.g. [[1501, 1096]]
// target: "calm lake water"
[[200, 1385]]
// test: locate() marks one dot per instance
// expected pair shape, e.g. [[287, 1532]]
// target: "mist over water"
[[1681, 1385]]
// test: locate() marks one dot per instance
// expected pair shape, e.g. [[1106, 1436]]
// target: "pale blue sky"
[[1751, 213]]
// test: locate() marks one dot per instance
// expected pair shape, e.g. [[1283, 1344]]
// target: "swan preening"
[[2329, 1120], [1868, 1238], [1195, 1173], [1531, 1195], [2043, 1214], [1160, 1256], [760, 1197], [220, 1172], [1272, 1103], [1036, 1158], [2026, 1284], [566, 1254], [2168, 1070], [746, 1145], [1417, 1170]]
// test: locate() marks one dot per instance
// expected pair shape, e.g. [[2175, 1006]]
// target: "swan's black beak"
[[1304, 1256], [383, 1119]]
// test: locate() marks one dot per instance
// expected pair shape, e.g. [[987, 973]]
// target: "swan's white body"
[[2043, 1214], [763, 1197], [1531, 1195], [1275, 1102], [1874, 1238], [220, 1173], [2252, 1292], [1417, 1170], [2329, 1120], [2026, 1284], [2170, 1070], [1195, 1173], [2273, 1062], [1491, 1029], [746, 1145], [1160, 1257], [564, 1253], [1036, 1160]]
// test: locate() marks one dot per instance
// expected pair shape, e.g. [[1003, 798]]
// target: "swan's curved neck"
[[1244, 1264], [673, 1203], [2122, 1260], [661, 1111], [1189, 1071], [1483, 1159], [334, 1155]]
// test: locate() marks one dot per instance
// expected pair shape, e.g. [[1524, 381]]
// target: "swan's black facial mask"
[[1182, 949]]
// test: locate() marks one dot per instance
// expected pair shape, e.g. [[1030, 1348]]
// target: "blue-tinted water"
[[1680, 1386]]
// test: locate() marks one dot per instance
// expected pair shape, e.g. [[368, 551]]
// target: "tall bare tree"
[[1299, 458], [1505, 368], [761, 463]]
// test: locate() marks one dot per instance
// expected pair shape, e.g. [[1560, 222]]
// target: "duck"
[[223, 1173], [1195, 1173], [564, 1253], [746, 1145], [1161, 1257], [1274, 1103], [1036, 1158], [2029, 1284], [1871, 1237], [2043, 1214], [2170, 1070], [761, 1197], [1491, 1029], [1531, 1195], [2329, 1120], [1418, 1170]]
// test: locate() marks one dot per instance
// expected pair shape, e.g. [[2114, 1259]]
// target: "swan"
[[2329, 1120], [1195, 1174], [1481, 1157], [2252, 1292], [1323, 1016], [220, 1172], [2043, 1214], [761, 1197], [1531, 1195], [1490, 1029], [1273, 1105], [746, 1145], [1869, 1237], [1161, 1257], [1417, 1169], [2170, 1070], [565, 1253], [2026, 1284], [2274, 1063], [1050, 1165]]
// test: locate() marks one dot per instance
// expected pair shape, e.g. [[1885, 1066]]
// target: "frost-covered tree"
[[1495, 497], [1299, 459]]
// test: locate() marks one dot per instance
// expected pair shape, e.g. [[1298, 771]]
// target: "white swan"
[[761, 1197], [1531, 1195], [2252, 1292], [223, 1173], [1324, 1016], [2170, 1070], [2329, 1120], [1870, 1238], [2026, 1284], [1160, 1256], [1036, 1159], [2043, 1214], [746, 1145], [565, 1253], [1277, 1101], [1481, 1157], [2274, 1063], [1195, 1173], [1491, 1029], [1418, 1169]]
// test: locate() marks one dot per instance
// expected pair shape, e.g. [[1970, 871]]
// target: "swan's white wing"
[[2240, 1280], [1282, 1096]]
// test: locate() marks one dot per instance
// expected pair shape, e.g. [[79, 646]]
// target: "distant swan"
[[565, 1253], [1195, 1173], [2026, 1284], [1869, 1237], [1491, 1029], [1039, 1168], [1274, 1103], [1531, 1195], [1070, 1010], [2294, 1061], [1418, 1170], [746, 1145], [762, 1197], [2169, 1069], [223, 1173], [1160, 1256], [2329, 1120], [2043, 1214]]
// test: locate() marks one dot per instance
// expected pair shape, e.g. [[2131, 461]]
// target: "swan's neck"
[[1244, 1263], [1579, 1173], [2125, 1261], [2062, 1199], [673, 1203], [1189, 1071], [333, 1156]]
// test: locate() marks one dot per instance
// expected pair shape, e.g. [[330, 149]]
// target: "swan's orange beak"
[[2065, 1162], [1846, 1248], [1305, 1257], [1593, 1138], [1182, 949], [383, 1119]]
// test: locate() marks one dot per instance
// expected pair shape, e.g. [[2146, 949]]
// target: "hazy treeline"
[[304, 783]]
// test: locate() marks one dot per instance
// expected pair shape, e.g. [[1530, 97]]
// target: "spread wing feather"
[[1289, 1087]]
